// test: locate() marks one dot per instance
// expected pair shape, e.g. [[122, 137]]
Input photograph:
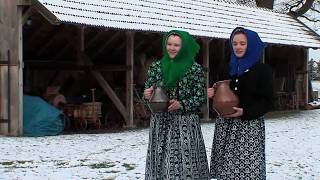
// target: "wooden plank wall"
[[11, 50]]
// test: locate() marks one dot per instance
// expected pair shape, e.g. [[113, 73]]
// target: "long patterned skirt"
[[176, 148], [238, 149]]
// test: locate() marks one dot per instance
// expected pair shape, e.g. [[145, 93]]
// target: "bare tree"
[[251, 3], [307, 9], [300, 7], [247, 2], [265, 3], [296, 8]]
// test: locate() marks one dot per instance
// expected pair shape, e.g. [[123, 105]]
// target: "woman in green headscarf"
[[176, 148]]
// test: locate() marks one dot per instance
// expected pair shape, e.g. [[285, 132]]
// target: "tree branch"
[[303, 9], [314, 9], [309, 19], [291, 7]]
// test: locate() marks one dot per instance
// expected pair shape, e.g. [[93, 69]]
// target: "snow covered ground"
[[292, 148], [316, 85]]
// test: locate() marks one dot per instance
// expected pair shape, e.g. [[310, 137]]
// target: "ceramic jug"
[[159, 100], [224, 99]]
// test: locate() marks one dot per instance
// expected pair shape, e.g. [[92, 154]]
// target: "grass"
[[62, 163], [102, 165], [7, 163], [128, 166], [112, 171], [15, 164], [23, 162]]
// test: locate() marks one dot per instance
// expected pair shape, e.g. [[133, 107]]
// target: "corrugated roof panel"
[[199, 17]]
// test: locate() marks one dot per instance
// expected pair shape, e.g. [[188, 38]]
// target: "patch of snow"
[[292, 152], [316, 85]]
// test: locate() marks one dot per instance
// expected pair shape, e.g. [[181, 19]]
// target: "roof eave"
[[48, 15]]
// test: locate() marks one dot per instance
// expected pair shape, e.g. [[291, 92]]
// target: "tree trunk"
[[303, 9], [265, 3]]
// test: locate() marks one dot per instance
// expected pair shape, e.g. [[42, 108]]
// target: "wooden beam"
[[150, 37], [69, 65], [223, 60], [205, 53], [48, 43], [157, 39], [140, 44], [115, 36], [112, 95], [68, 45], [123, 45], [306, 77], [94, 39], [28, 78], [263, 56], [268, 54], [35, 34], [15, 81], [6, 30], [80, 47], [61, 52], [49, 16], [24, 2], [81, 38], [103, 83], [129, 81], [27, 14], [120, 49]]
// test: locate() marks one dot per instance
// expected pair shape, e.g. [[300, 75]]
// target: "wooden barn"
[[77, 51]]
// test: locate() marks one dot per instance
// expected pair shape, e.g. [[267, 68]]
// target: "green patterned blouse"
[[191, 87]]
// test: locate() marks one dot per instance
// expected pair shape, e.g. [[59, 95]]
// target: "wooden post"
[[81, 38], [129, 82], [205, 52], [306, 75], [302, 81], [4, 112], [24, 2], [15, 80], [81, 46], [103, 83], [221, 62], [263, 56]]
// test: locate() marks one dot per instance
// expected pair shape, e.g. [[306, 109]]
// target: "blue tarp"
[[40, 118]]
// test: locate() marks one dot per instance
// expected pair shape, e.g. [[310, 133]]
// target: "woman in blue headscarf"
[[238, 149]]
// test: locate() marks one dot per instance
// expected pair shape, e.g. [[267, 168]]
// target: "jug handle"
[[147, 102], [148, 105], [154, 85], [214, 86]]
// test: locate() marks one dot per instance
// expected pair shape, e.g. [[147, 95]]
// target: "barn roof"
[[214, 19]]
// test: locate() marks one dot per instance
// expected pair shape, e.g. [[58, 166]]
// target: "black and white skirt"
[[176, 148], [238, 149]]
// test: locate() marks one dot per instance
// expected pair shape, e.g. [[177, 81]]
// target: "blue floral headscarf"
[[252, 55]]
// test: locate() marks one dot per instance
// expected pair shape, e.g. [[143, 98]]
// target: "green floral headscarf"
[[173, 69]]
